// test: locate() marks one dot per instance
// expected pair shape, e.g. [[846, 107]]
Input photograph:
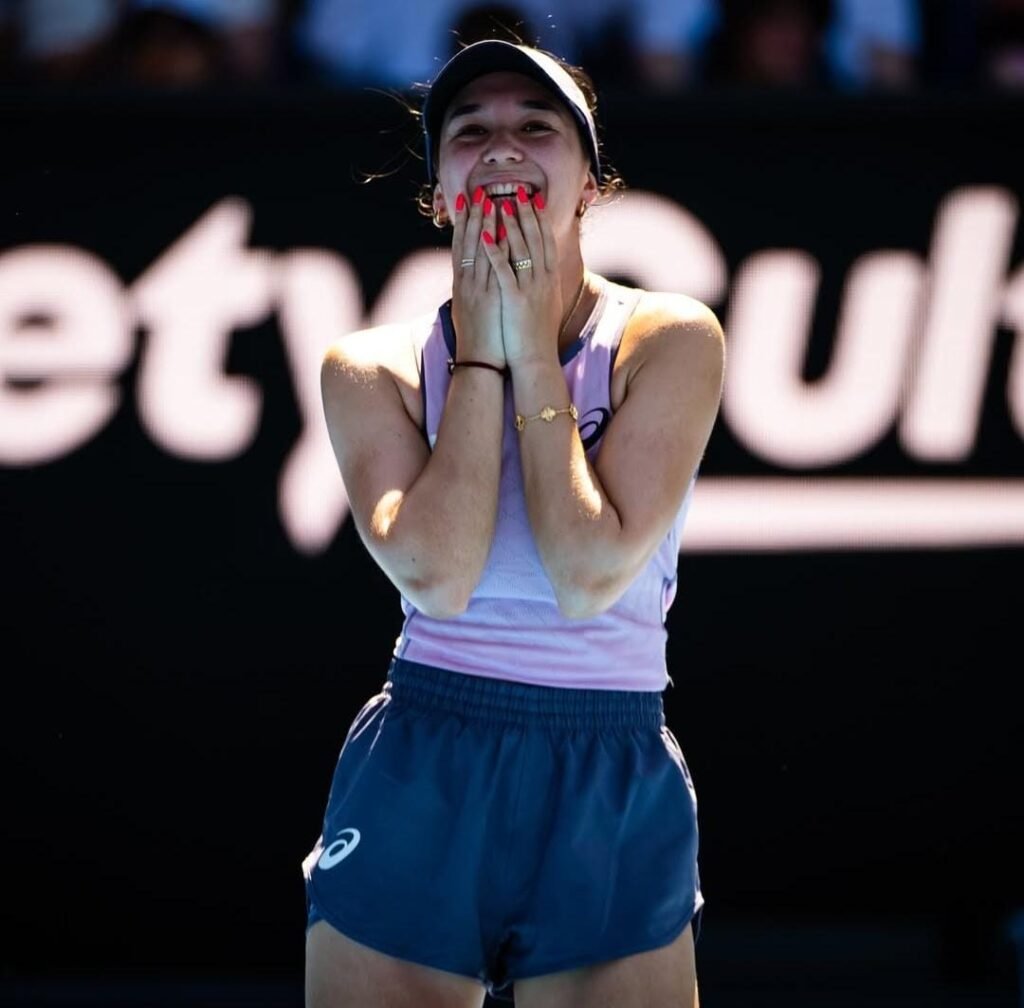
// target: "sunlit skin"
[[506, 128]]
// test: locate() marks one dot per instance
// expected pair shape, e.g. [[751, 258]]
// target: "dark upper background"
[[178, 677]]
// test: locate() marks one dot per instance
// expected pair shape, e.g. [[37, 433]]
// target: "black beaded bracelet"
[[453, 364]]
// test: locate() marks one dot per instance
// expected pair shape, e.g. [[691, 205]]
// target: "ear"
[[591, 190], [440, 206]]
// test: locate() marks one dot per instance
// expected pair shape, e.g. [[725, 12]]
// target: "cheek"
[[452, 177], [565, 191]]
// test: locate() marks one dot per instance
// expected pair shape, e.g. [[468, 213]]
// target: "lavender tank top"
[[512, 628]]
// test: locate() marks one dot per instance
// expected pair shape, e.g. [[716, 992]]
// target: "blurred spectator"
[[668, 38], [198, 43], [394, 43], [250, 30], [62, 41], [875, 44], [851, 44], [769, 44], [169, 45], [257, 36], [1001, 45], [152, 43]]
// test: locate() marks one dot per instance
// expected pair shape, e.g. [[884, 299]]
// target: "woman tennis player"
[[510, 813]]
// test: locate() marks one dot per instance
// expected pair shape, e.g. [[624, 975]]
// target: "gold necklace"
[[572, 310]]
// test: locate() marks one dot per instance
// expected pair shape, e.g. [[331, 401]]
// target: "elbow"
[[439, 600], [579, 608], [576, 602], [438, 590], [583, 595], [442, 608]]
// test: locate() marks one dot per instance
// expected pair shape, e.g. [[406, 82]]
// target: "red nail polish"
[[538, 201], [521, 193], [460, 202], [502, 232], [487, 239], [488, 206], [478, 194], [508, 208]]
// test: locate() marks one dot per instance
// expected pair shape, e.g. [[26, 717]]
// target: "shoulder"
[[366, 351], [387, 349], [378, 358], [660, 314], [676, 331]]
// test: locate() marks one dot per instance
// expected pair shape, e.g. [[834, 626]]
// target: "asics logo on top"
[[593, 425], [348, 840]]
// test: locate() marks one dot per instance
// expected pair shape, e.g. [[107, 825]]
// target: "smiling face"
[[503, 130]]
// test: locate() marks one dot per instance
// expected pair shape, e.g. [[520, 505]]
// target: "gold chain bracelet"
[[547, 414]]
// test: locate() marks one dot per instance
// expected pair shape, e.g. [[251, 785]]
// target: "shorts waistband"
[[503, 702]]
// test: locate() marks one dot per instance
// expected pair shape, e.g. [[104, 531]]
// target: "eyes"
[[533, 126]]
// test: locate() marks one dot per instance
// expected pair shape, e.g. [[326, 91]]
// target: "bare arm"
[[427, 518], [596, 526]]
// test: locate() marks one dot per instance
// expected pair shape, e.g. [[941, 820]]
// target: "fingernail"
[[508, 208], [460, 202], [487, 239], [538, 201], [488, 206], [502, 232], [521, 193], [478, 194]]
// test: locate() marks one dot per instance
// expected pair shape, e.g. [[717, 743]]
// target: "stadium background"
[[179, 673]]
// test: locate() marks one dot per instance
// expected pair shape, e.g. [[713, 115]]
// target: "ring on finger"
[[466, 263], [521, 264]]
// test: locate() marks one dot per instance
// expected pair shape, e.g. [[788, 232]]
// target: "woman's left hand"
[[531, 296]]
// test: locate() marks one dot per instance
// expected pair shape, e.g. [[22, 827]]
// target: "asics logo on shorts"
[[348, 840]]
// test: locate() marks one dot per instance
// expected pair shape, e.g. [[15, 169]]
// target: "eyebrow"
[[536, 104]]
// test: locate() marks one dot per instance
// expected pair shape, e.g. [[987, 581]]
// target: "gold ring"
[[521, 264]]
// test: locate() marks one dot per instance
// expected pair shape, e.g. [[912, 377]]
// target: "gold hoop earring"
[[582, 208], [438, 222]]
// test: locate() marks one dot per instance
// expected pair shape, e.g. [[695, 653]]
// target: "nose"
[[502, 149]]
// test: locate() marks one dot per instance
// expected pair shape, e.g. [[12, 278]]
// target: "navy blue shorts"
[[502, 831]]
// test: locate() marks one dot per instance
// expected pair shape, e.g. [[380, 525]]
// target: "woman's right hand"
[[476, 299]]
